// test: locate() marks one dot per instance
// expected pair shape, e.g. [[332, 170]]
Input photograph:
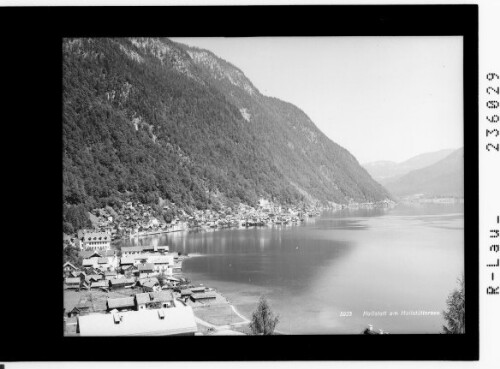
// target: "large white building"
[[178, 320], [160, 263], [94, 240]]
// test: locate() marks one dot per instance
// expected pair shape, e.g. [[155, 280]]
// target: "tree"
[[162, 278], [74, 218], [72, 255], [455, 314], [68, 228], [263, 320]]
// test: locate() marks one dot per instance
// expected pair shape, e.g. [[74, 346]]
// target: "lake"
[[337, 272]]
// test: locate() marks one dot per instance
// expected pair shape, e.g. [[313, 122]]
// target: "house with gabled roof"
[[162, 263], [149, 284], [128, 269], [68, 267], [152, 300], [146, 270], [78, 310], [87, 254]]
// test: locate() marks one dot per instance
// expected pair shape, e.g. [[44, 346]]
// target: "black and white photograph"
[[318, 180], [217, 186]]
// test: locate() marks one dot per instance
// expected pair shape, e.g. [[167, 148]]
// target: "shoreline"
[[231, 303], [240, 218], [205, 228], [245, 321]]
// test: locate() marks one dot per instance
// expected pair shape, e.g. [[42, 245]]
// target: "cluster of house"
[[153, 311], [138, 266], [266, 213], [135, 219]]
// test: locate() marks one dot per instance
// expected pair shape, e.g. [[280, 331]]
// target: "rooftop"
[[72, 280], [89, 254], [87, 262], [156, 322], [143, 248], [121, 281], [70, 265], [96, 236], [122, 302], [101, 283], [96, 277], [146, 267], [160, 259], [203, 295], [127, 260], [150, 283], [162, 296]]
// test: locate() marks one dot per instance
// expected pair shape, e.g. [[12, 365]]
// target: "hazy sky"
[[382, 98]]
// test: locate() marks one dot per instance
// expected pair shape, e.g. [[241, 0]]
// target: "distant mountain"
[[388, 171], [145, 118], [444, 178]]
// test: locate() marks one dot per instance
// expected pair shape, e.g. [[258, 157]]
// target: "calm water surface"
[[355, 261]]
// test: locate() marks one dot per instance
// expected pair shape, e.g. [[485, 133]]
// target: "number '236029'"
[[494, 92]]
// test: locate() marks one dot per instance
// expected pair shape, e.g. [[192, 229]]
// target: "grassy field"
[[217, 315]]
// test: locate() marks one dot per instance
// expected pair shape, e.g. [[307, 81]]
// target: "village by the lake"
[[142, 290], [143, 287]]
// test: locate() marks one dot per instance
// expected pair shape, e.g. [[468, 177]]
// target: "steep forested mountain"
[[389, 171], [149, 118], [444, 178]]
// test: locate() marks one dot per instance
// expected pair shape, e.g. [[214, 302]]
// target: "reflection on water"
[[365, 260]]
